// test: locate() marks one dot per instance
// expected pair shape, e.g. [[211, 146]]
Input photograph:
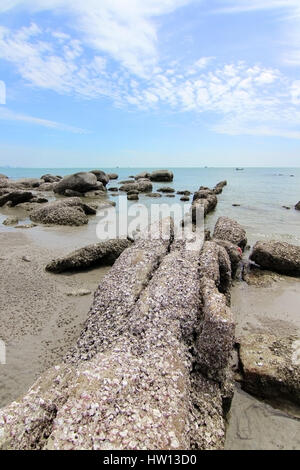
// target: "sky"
[[149, 83]]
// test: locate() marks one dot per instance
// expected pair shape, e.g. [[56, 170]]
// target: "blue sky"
[[149, 83]]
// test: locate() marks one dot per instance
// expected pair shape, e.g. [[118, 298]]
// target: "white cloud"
[[8, 115], [113, 54], [123, 29]]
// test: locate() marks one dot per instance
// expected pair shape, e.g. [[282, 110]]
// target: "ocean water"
[[261, 193]]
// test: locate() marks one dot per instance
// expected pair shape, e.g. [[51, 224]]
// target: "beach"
[[42, 314]]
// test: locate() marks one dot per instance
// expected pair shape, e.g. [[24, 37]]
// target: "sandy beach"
[[39, 320]]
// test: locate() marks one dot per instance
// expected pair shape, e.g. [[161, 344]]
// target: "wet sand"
[[39, 321], [254, 424]]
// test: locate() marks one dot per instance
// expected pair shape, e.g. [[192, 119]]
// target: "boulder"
[[230, 230], [79, 182], [51, 178], [160, 176], [47, 187], [280, 257], [113, 189], [102, 177], [271, 366], [142, 175], [203, 205], [185, 198], [70, 211], [155, 195], [215, 342], [133, 197], [15, 198], [112, 176], [72, 193], [126, 181], [99, 254], [11, 221], [234, 252], [219, 187], [184, 193], [142, 186], [215, 264], [29, 182], [166, 190], [297, 206]]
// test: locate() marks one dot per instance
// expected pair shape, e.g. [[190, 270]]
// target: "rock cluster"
[[150, 369], [71, 211]]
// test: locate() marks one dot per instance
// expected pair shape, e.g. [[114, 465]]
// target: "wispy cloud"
[[9, 115], [123, 29], [114, 53]]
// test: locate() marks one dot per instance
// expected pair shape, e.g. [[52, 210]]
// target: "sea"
[[255, 197]]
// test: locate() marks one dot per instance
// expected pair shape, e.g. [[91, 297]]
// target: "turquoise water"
[[261, 193]]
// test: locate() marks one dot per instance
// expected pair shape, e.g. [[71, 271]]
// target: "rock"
[[26, 259], [71, 211], [254, 276], [3, 177], [271, 366], [216, 340], [113, 189], [297, 206], [161, 176], [26, 226], [215, 264], [286, 207], [101, 192], [133, 191], [280, 257], [11, 221], [78, 293], [99, 254], [38, 200], [29, 182], [170, 195], [184, 198], [230, 230], [51, 178], [47, 187], [166, 190], [134, 379], [72, 193], [234, 252], [106, 205], [79, 182], [127, 182], [204, 202], [153, 195], [132, 197], [102, 177], [142, 175], [184, 193], [112, 176], [15, 198], [142, 186], [219, 187], [236, 205]]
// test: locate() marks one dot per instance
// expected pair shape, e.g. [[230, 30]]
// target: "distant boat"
[[239, 169]]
